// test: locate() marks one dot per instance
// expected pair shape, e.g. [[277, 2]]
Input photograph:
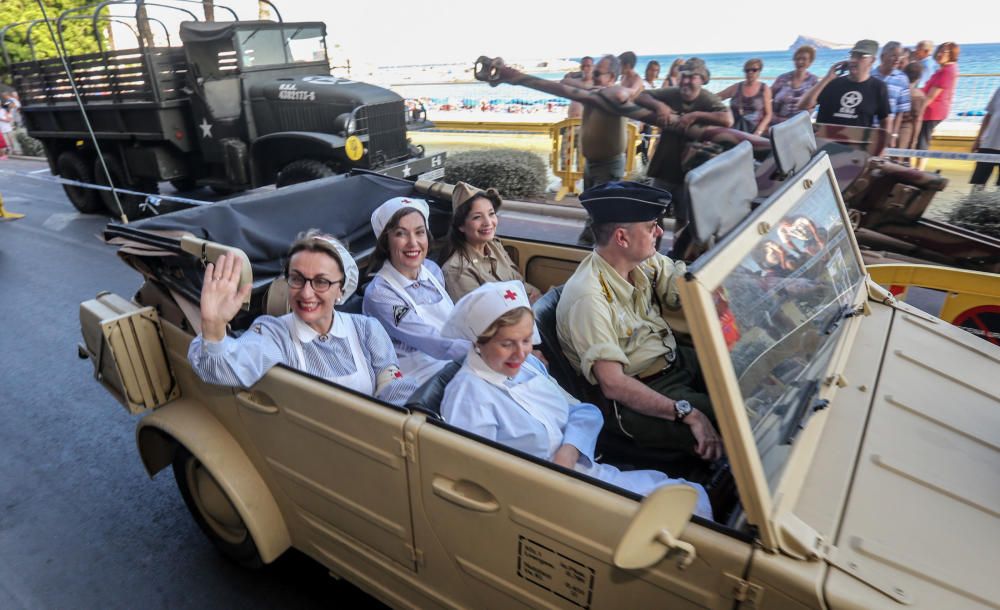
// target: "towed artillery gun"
[[239, 104], [886, 199]]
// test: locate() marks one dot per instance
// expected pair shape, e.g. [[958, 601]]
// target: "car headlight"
[[345, 124]]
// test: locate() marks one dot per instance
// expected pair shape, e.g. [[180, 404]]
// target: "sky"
[[404, 32]]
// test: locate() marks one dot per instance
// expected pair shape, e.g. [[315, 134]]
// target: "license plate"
[[434, 174]]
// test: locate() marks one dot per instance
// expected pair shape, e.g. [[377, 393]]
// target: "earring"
[[477, 350]]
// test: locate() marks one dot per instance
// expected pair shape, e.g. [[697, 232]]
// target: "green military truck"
[[240, 104]]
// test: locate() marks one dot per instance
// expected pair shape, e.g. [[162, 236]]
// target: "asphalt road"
[[81, 524]]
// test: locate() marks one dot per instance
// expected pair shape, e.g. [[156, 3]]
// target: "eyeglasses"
[[599, 73], [749, 70], [319, 284]]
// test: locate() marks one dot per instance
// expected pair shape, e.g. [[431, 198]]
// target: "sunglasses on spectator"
[[748, 70], [599, 73]]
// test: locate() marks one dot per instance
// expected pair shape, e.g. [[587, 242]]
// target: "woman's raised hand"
[[221, 296]]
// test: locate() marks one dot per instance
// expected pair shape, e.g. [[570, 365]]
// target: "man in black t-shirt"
[[853, 99]]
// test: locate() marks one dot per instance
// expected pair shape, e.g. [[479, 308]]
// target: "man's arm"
[[722, 118], [616, 385], [808, 101]]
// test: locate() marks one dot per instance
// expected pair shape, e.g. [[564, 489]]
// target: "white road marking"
[[40, 171], [58, 222]]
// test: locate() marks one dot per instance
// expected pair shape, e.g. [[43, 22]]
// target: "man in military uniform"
[[611, 327]]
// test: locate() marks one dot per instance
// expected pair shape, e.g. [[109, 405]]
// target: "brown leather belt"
[[660, 367]]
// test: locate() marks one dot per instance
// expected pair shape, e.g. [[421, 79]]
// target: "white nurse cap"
[[384, 212], [476, 311]]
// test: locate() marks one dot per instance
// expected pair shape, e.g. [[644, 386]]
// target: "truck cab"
[[262, 99]]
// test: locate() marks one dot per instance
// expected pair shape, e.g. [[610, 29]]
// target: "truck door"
[[519, 533], [217, 103], [336, 454]]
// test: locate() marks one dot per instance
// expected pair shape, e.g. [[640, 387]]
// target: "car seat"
[[427, 398], [559, 366]]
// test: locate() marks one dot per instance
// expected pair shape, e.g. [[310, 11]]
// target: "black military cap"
[[625, 202]]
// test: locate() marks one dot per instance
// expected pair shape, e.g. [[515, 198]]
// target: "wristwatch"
[[682, 409]]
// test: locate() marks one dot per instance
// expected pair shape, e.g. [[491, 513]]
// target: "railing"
[[969, 299]]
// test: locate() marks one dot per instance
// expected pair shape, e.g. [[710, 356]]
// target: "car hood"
[[922, 521]]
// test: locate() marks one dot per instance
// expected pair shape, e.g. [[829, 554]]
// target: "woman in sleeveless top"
[[790, 87], [751, 100]]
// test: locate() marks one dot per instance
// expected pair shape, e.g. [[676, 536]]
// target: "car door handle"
[[257, 401], [465, 494]]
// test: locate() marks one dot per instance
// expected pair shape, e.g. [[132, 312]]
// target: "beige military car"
[[862, 435]]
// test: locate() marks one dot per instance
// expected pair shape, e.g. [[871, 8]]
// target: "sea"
[[971, 95]]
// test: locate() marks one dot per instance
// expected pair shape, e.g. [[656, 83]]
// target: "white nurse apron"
[[417, 365], [360, 380]]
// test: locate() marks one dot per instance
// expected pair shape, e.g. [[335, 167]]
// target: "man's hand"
[[708, 445], [221, 297], [687, 120], [664, 116], [566, 456]]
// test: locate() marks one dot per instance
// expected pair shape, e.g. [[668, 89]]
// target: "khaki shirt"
[[601, 316], [466, 270]]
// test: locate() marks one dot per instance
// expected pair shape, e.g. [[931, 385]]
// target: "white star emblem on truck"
[[206, 128], [406, 170]]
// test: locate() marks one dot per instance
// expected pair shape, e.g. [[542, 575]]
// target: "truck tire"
[[213, 511], [302, 170], [73, 166], [130, 203]]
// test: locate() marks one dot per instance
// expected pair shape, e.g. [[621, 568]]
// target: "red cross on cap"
[[406, 201], [510, 294], [398, 374]]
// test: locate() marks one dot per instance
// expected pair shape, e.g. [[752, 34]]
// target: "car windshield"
[[780, 310], [267, 47]]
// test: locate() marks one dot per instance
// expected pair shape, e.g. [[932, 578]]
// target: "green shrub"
[[978, 211], [30, 147], [515, 173]]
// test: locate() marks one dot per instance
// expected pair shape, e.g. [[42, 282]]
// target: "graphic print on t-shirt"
[[849, 103]]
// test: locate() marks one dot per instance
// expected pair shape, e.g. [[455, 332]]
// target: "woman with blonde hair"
[[505, 394], [751, 100], [673, 78], [790, 87]]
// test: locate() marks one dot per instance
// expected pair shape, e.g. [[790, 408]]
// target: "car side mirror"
[[209, 252], [656, 529]]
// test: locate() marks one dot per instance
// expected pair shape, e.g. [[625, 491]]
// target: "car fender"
[[190, 424], [270, 153]]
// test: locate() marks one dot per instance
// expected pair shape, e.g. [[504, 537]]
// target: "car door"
[[336, 455], [509, 531]]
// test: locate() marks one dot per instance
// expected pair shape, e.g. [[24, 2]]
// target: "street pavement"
[[81, 524]]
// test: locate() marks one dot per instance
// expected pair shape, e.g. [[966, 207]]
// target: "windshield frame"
[[762, 502]]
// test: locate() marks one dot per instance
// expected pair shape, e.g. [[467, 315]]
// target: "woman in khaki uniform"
[[473, 255]]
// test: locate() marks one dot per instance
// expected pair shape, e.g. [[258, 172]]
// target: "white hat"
[[476, 311], [347, 263], [382, 214]]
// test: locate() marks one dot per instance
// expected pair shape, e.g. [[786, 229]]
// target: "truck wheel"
[[130, 203], [72, 166], [302, 170], [213, 511]]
